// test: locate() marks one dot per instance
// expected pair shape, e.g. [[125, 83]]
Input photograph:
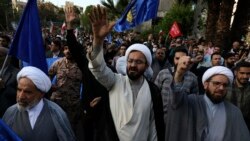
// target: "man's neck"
[[238, 84]]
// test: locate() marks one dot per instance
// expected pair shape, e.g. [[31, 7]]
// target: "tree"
[[183, 14], [212, 18], [115, 11], [84, 18], [223, 23], [6, 14], [241, 20], [50, 12]]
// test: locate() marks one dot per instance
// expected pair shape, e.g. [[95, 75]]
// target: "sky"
[[83, 3]]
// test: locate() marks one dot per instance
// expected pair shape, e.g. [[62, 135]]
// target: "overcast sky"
[[82, 3]]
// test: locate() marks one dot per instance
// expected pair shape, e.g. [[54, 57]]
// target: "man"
[[165, 77], [235, 47], [8, 83], [55, 49], [4, 41], [33, 117], [159, 62], [229, 60], [205, 117], [135, 103], [215, 59], [66, 91], [239, 95]]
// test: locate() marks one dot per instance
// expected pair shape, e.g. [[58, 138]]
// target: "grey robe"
[[59, 118], [187, 119]]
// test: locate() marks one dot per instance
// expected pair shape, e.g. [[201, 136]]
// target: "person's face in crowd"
[[230, 61], [27, 94], [216, 49], [195, 50], [66, 52], [236, 45], [216, 60], [54, 47], [200, 56], [150, 37], [160, 54], [237, 57], [136, 65], [3, 42], [177, 56], [216, 88], [210, 44], [122, 50], [242, 75]]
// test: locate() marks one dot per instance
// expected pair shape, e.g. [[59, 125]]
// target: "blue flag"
[[137, 12], [27, 44], [6, 134]]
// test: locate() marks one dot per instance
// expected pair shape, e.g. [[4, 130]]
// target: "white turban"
[[143, 49], [38, 77], [121, 65], [218, 70]]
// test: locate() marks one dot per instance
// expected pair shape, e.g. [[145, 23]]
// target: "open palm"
[[100, 25], [70, 14]]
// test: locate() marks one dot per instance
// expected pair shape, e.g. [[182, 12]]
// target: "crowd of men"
[[127, 89]]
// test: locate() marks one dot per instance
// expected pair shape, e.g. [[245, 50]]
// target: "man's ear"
[[205, 85]]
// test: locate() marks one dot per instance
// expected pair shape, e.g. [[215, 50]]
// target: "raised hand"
[[70, 16], [183, 65], [100, 25]]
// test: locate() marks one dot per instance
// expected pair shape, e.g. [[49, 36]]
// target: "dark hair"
[[57, 42], [228, 55], [242, 64], [215, 53], [180, 49]]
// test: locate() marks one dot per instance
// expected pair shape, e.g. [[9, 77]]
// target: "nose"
[[21, 95]]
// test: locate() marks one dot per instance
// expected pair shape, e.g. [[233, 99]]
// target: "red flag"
[[175, 30]]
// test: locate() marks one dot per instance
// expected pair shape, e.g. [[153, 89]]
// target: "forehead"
[[136, 55], [216, 56], [244, 69], [180, 54], [26, 83], [160, 50], [220, 78]]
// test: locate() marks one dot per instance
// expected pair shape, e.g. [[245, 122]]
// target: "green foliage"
[[115, 11], [6, 14], [84, 18], [183, 14]]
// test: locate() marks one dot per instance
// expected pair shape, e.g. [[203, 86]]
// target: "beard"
[[134, 74], [215, 100], [24, 107]]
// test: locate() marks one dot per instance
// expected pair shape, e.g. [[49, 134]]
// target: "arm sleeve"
[[99, 69]]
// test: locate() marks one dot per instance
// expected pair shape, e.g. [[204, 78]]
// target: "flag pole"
[[4, 64]]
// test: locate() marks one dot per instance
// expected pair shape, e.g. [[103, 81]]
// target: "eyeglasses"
[[137, 62], [218, 84]]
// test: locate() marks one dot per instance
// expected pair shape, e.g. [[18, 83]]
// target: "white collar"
[[34, 112]]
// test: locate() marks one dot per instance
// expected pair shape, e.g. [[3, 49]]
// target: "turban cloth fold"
[[143, 49], [218, 70], [38, 77]]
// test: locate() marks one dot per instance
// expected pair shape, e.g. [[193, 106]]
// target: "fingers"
[[97, 13]]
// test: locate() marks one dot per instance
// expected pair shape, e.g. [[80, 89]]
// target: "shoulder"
[[53, 107], [165, 73], [10, 112], [190, 74]]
